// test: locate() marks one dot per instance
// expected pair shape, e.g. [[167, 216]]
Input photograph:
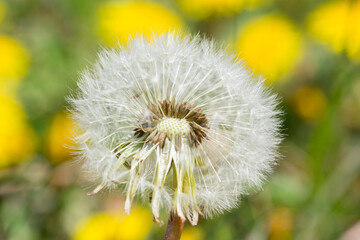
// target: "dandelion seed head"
[[178, 122]]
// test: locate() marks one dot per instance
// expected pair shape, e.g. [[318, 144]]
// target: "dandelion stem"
[[174, 227]]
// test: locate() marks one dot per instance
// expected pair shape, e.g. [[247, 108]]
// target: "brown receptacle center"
[[191, 123]]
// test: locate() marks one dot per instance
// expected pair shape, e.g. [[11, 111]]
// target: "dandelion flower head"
[[119, 20], [332, 14], [59, 143], [116, 226], [270, 45], [353, 39], [309, 102], [16, 136], [192, 233], [14, 59], [337, 24], [177, 122], [14, 63]]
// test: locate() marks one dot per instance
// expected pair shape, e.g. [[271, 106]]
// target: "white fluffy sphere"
[[177, 121]]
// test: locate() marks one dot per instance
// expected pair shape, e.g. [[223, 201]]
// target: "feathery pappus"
[[176, 121]]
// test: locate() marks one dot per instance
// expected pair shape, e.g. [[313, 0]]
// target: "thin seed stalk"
[[174, 227]]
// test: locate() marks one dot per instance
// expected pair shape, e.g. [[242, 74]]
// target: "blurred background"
[[309, 51]]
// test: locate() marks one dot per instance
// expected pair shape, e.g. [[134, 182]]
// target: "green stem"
[[174, 227]]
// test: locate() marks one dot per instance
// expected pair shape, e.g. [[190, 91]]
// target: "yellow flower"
[[337, 24], [2, 11], [60, 141], [270, 45], [353, 32], [192, 233], [17, 140], [281, 223], [201, 9], [120, 20], [328, 24], [309, 102], [14, 59], [115, 226]]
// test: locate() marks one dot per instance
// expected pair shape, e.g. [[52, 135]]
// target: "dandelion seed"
[[176, 121]]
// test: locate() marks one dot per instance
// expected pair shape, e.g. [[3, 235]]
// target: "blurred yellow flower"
[[270, 45], [2, 11], [17, 140], [192, 233], [120, 20], [14, 59], [309, 102], [201, 9], [337, 24], [115, 226], [281, 223], [328, 24], [353, 32], [60, 140]]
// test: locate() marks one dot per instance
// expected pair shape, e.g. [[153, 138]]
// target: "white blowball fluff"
[[178, 122]]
